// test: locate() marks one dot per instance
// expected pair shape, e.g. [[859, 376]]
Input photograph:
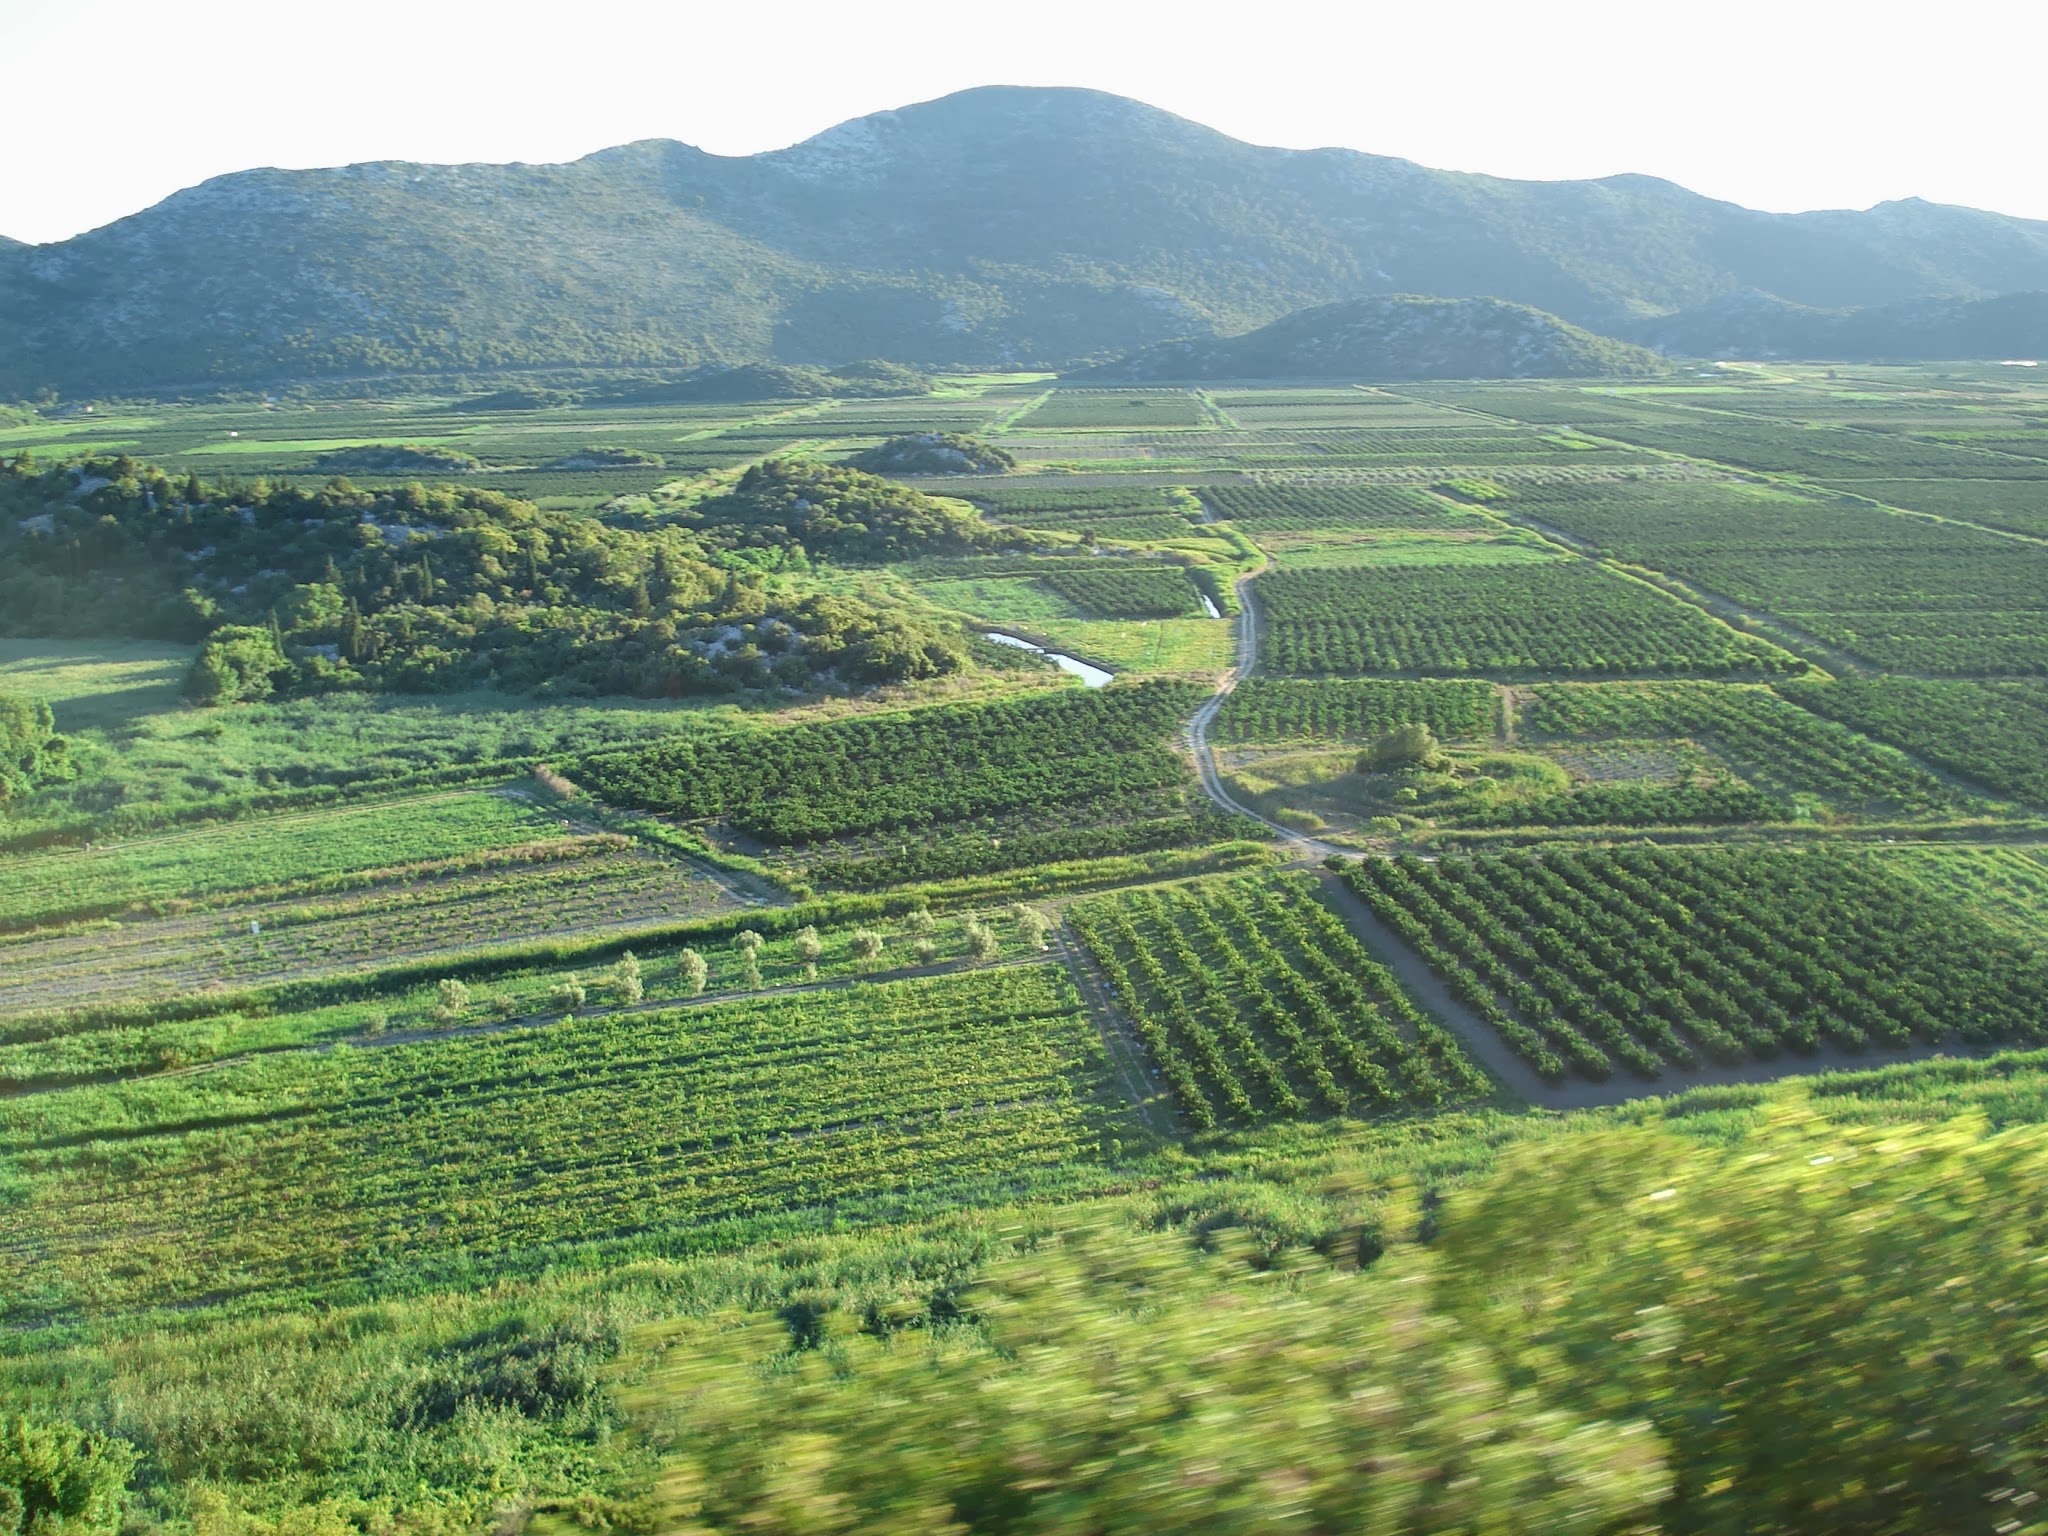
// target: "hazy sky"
[[108, 105]]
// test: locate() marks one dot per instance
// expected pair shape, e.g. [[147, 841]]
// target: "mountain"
[[1758, 325], [1004, 225], [1403, 337]]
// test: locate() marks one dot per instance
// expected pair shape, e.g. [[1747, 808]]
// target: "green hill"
[[1000, 226], [1405, 337]]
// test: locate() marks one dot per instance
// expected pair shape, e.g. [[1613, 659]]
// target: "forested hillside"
[[1397, 339], [997, 227], [421, 589]]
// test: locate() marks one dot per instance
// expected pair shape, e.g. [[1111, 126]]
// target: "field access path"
[[1197, 735]]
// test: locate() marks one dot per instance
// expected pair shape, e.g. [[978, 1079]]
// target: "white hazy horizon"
[[112, 105]]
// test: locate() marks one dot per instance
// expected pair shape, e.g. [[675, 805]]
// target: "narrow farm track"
[[1198, 728]]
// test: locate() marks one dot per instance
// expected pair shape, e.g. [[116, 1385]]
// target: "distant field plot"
[[1286, 709], [568, 885], [1253, 1001], [1561, 615], [1821, 452], [1136, 513], [885, 1097], [2007, 887], [1331, 547], [274, 851], [1541, 405], [2020, 506], [1276, 505], [1993, 733], [1125, 589], [1653, 959], [941, 764], [1119, 410], [1900, 591], [1144, 647], [1771, 742]]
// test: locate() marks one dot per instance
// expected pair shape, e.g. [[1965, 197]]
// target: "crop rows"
[[1274, 709], [1995, 733], [1901, 591], [1822, 452], [912, 769], [2020, 506], [1656, 958], [1552, 616], [272, 851], [326, 1169], [357, 931], [1766, 737], [1125, 590], [1115, 408], [1253, 1001], [1277, 506]]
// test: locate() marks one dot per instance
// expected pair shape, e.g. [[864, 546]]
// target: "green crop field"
[[53, 887], [1502, 618], [613, 1006]]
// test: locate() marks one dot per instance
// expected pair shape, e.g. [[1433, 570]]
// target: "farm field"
[[1651, 960], [1901, 592], [574, 885], [192, 866], [892, 1094], [1503, 619], [419, 1067], [1252, 1000]]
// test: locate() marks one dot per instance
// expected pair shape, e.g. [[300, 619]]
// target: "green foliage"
[[1124, 589], [1550, 616], [58, 1480], [912, 769], [1770, 740], [426, 590], [1412, 746], [1665, 957], [1116, 1383], [1905, 593], [1285, 709], [237, 664], [1828, 1329], [397, 459], [1405, 336], [1995, 733], [31, 751], [934, 453], [513, 1149], [840, 512], [1253, 1000], [1278, 506]]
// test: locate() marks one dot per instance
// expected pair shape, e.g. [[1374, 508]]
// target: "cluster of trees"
[[31, 751], [845, 514], [935, 453], [425, 589]]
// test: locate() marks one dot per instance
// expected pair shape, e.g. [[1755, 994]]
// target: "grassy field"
[[271, 852]]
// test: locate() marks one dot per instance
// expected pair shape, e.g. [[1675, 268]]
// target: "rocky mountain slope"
[[1758, 325], [1402, 337], [1003, 225]]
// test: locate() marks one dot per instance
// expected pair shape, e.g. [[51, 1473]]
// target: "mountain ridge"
[[1003, 226]]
